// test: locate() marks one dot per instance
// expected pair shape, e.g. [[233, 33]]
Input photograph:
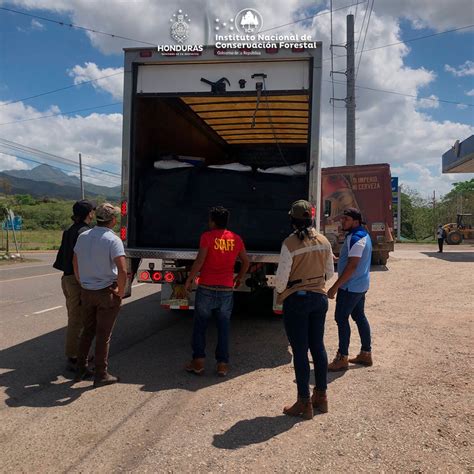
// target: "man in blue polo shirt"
[[351, 286]]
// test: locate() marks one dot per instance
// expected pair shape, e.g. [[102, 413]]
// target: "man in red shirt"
[[218, 251]]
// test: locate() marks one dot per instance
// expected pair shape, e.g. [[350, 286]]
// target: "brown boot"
[[105, 379], [222, 369], [340, 362], [302, 407], [364, 358], [196, 366], [320, 400]]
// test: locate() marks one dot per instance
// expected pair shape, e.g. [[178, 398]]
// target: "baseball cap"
[[83, 207], [106, 212], [354, 213], [301, 210]]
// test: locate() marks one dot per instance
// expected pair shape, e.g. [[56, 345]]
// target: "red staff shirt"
[[223, 247]]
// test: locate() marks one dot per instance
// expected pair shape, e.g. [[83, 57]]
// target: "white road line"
[[34, 276], [138, 284], [46, 310], [14, 267]]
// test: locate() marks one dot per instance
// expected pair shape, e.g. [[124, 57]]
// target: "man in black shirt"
[[83, 213]]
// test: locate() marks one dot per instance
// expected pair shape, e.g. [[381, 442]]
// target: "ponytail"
[[302, 227]]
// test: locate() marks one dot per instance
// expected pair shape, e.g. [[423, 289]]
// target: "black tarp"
[[173, 206]]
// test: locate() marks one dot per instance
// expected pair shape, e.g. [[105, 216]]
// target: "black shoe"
[[71, 364], [83, 373], [106, 380]]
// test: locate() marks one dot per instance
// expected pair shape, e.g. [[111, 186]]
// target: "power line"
[[60, 89], [408, 95], [77, 27], [51, 156], [362, 27], [365, 36], [417, 38], [76, 173], [62, 113], [312, 16]]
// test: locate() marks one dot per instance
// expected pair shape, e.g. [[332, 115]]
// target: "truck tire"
[[383, 258], [454, 238], [379, 258]]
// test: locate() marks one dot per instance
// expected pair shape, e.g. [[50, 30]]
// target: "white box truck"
[[241, 131]]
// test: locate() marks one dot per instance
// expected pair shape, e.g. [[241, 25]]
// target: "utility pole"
[[434, 212], [350, 98], [80, 174]]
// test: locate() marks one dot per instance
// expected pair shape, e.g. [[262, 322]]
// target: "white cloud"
[[90, 71], [390, 128], [470, 93], [97, 136], [37, 25], [9, 162], [461, 106], [430, 102], [466, 69]]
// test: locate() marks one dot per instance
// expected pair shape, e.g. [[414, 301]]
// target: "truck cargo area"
[[170, 206]]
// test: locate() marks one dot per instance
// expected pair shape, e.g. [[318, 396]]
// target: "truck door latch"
[[217, 87]]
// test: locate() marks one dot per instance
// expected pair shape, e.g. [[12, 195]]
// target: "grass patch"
[[33, 240]]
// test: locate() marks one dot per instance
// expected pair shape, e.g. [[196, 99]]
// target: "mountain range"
[[47, 181]]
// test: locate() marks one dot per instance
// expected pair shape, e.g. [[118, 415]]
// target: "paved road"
[[160, 419]]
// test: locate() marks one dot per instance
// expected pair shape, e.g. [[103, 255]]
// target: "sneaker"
[[107, 379], [83, 373], [339, 363], [364, 358], [302, 407], [196, 366], [222, 369]]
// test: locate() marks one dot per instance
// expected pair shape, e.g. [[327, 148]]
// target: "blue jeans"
[[208, 302], [352, 304], [304, 314]]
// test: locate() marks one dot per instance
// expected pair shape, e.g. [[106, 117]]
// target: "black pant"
[[440, 244], [304, 316]]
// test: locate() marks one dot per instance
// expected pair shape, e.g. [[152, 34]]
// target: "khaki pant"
[[100, 310], [72, 292]]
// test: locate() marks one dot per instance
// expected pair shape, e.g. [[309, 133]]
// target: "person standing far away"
[[441, 235], [82, 215], [100, 266], [351, 286], [306, 262], [219, 249]]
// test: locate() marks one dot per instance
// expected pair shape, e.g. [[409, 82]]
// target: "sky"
[[410, 133]]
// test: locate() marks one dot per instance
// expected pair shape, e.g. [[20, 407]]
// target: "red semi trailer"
[[368, 188]]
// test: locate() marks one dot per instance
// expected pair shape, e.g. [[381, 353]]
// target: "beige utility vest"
[[311, 259]]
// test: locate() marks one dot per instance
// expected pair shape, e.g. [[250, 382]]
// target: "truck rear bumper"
[[177, 254]]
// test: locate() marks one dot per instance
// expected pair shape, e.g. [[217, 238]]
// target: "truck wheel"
[[379, 258], [454, 238], [383, 258]]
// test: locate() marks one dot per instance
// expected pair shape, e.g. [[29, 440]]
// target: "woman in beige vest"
[[306, 262]]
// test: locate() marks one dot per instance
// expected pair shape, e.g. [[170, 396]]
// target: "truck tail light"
[[271, 50], [157, 276], [146, 54], [145, 276], [124, 208], [123, 233], [169, 277], [295, 49]]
